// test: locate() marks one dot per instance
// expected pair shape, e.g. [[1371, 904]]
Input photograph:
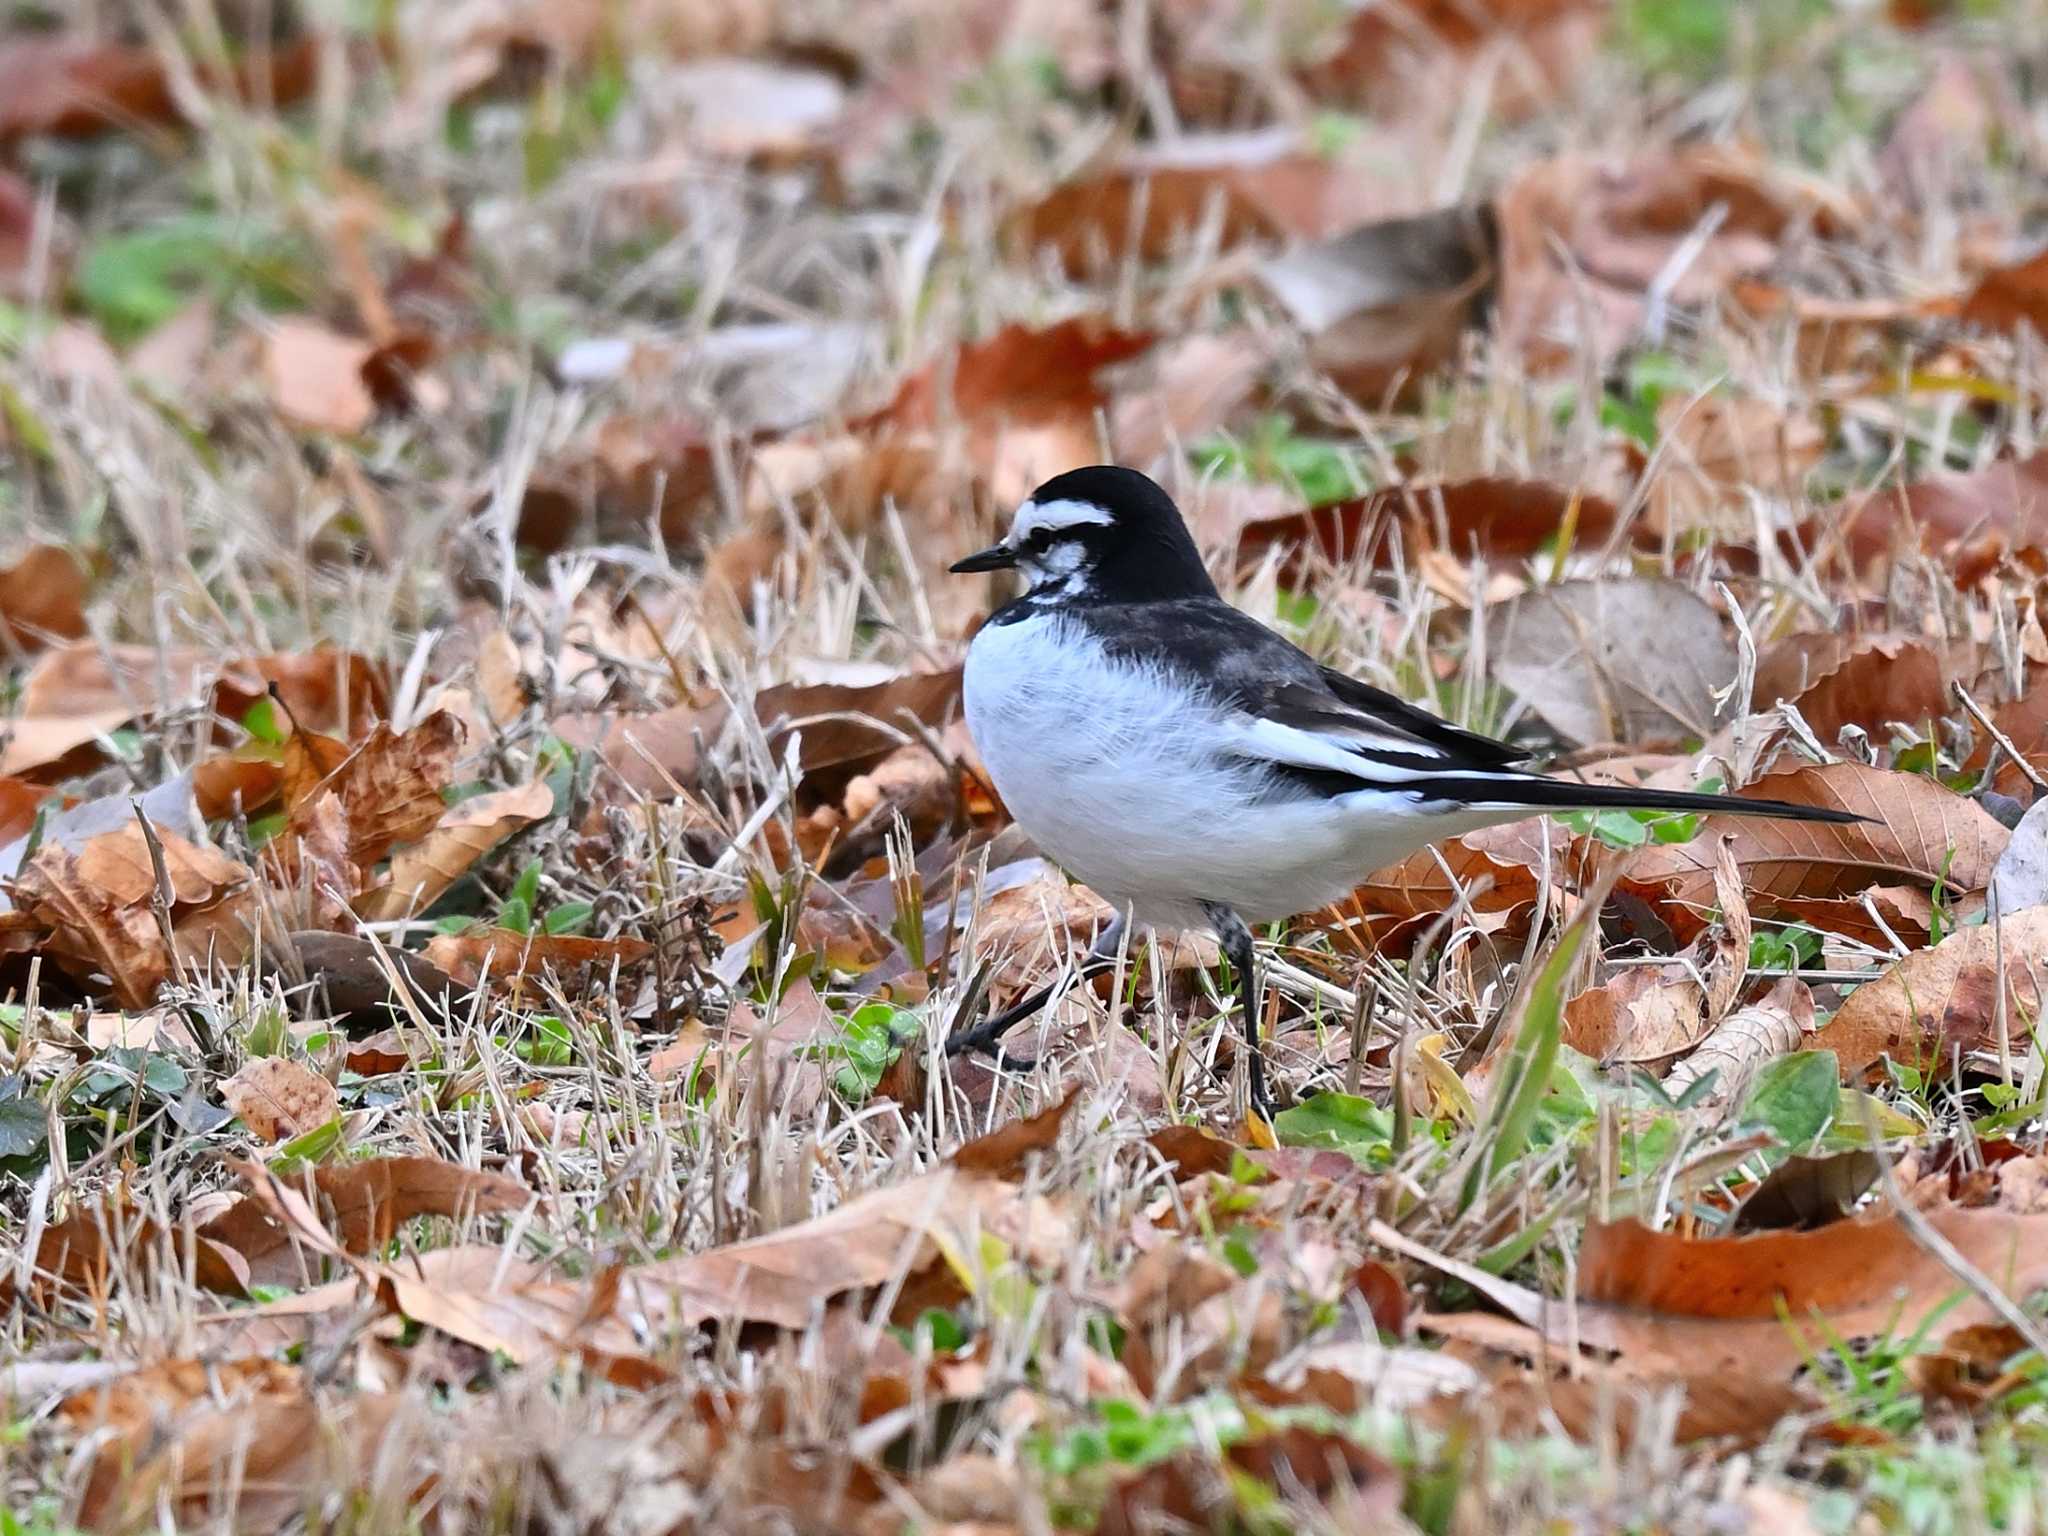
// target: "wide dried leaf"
[[467, 832], [98, 903], [1645, 1015], [1495, 517], [1940, 1001], [1633, 660], [1868, 681], [1707, 1301], [1147, 202], [279, 1098], [42, 597], [1917, 833], [506, 956], [898, 1230], [386, 792]]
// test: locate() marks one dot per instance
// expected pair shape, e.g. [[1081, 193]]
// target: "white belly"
[[1114, 772]]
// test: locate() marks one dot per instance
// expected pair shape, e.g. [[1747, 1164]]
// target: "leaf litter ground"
[[490, 849]]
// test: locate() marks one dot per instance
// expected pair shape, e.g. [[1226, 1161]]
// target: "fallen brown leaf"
[[73, 86], [42, 597], [1630, 660], [467, 831], [99, 904], [279, 1098], [507, 956], [1145, 202], [1918, 833], [1867, 681], [1941, 1001], [315, 377]]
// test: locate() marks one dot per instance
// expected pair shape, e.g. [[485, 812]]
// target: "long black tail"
[[1546, 794]]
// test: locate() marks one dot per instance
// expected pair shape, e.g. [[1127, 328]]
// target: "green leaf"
[[867, 1045], [1352, 1125], [309, 1148], [527, 887], [1795, 1096], [23, 1126], [1531, 1061], [516, 915], [569, 917], [261, 722]]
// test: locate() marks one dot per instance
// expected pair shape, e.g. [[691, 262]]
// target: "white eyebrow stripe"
[[1032, 516]]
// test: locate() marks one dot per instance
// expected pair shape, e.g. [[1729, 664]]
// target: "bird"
[[1196, 769]]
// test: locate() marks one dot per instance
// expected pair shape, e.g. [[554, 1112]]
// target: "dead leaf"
[[279, 1098], [784, 1277], [1025, 399], [98, 904], [269, 1447], [467, 831], [1775, 1025], [1720, 451], [69, 85], [1147, 201], [315, 377], [1191, 1492], [1867, 681], [387, 791], [1508, 860], [1584, 241], [507, 956], [1390, 300], [1647, 1014], [42, 597], [1918, 833], [2007, 298], [1939, 1001], [1632, 660], [1713, 1301], [1499, 519]]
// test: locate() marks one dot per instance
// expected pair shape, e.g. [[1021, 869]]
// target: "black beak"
[[997, 557]]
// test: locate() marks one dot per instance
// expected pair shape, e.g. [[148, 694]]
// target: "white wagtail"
[[1194, 768]]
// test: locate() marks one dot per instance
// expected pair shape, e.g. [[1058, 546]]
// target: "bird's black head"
[[1105, 534]]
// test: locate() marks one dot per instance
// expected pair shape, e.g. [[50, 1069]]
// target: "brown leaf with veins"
[[1939, 1001], [1508, 860], [1496, 517], [468, 830], [1707, 1301], [1918, 833], [1861, 680], [71, 85], [1647, 1014], [899, 1229], [98, 904], [279, 1098], [387, 791], [263, 1449]]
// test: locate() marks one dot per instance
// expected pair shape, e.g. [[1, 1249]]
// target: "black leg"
[[983, 1036], [1236, 940]]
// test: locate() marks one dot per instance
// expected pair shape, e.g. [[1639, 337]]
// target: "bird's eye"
[[1039, 542]]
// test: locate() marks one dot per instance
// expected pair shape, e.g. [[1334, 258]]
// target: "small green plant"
[[1793, 947], [1273, 450], [867, 1046], [1634, 829]]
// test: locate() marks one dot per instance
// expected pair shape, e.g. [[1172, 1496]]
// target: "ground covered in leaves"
[[489, 853]]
